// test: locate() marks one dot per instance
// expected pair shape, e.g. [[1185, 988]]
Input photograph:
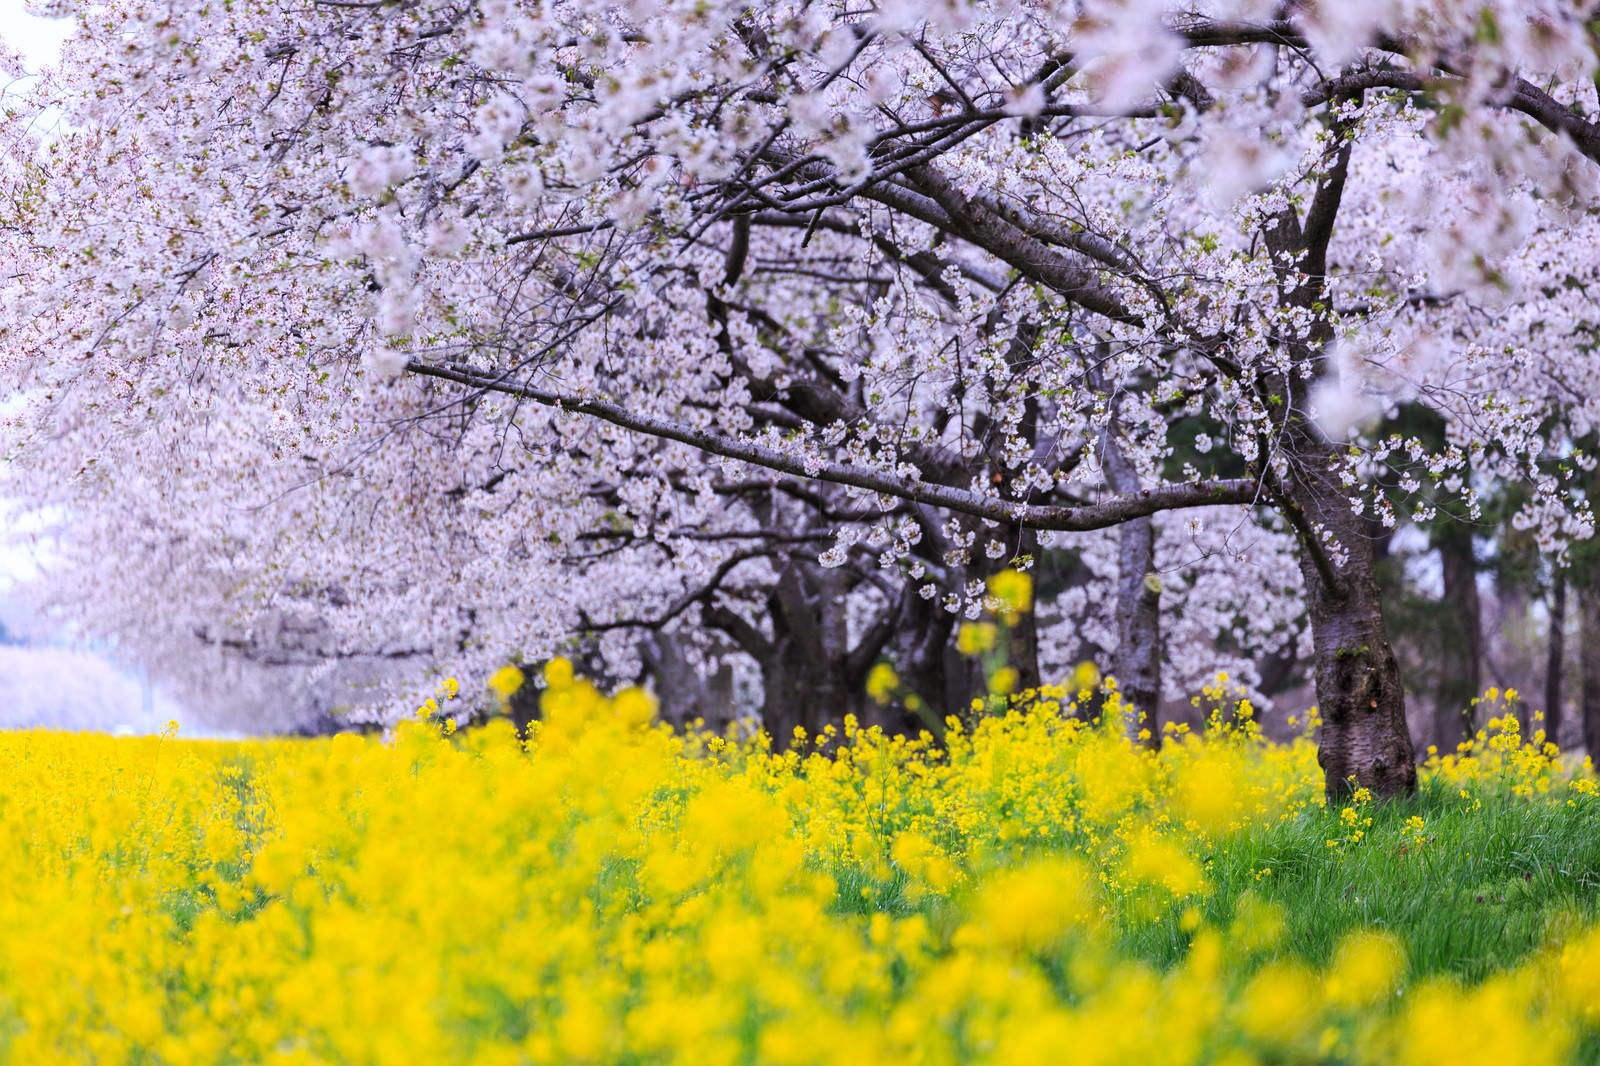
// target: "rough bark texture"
[[1462, 673], [922, 640], [804, 680], [685, 693], [1589, 663], [1555, 657], [1137, 663], [1364, 741], [1138, 658]]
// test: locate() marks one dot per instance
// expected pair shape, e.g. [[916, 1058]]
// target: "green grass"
[[1486, 887]]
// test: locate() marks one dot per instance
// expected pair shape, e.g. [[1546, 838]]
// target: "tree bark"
[[1137, 663], [922, 638], [1022, 635], [1138, 659], [806, 671], [1364, 741], [966, 676], [1555, 656], [523, 707], [1463, 664], [1589, 663], [684, 693], [803, 673]]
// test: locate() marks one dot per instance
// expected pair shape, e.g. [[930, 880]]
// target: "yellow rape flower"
[[975, 638], [882, 682], [1014, 590], [1365, 968], [634, 706], [1032, 907], [505, 682], [618, 891], [1003, 682], [558, 672], [1279, 1004]]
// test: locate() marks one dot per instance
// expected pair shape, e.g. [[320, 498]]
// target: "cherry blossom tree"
[[439, 332]]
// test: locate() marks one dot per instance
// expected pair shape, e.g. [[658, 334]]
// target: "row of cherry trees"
[[373, 338]]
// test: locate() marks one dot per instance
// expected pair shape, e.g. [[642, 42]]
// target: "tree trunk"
[[1277, 671], [1589, 663], [1462, 665], [922, 636], [1138, 659], [967, 679], [1137, 663], [804, 675], [1022, 649], [523, 707], [1364, 742], [799, 692], [685, 694], [1555, 655]]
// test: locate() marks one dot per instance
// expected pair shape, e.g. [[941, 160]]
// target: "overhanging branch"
[[1078, 518]]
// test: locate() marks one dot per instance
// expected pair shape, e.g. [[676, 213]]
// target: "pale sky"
[[37, 38]]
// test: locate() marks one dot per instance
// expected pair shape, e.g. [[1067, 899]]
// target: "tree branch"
[[1100, 515], [688, 599]]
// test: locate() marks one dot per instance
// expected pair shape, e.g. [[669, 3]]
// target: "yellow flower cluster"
[[1499, 759], [607, 890], [1354, 820]]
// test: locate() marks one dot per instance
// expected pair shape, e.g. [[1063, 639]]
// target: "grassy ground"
[[1489, 879]]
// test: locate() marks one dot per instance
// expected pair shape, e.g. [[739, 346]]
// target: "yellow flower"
[[634, 706], [1365, 968], [623, 892], [1162, 862], [558, 672], [882, 682], [975, 638], [1033, 907], [505, 682], [924, 861], [1279, 1005], [1577, 972], [1013, 589], [1483, 1026]]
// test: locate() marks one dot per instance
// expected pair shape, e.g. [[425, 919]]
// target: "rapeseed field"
[[1029, 887]]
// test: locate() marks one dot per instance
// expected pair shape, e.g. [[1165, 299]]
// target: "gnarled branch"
[[1076, 518]]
